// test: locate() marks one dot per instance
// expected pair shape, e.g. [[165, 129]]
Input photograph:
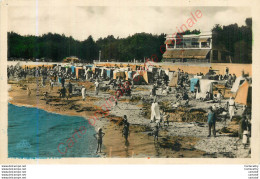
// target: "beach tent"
[[114, 74], [166, 72], [121, 74], [237, 83], [73, 69], [78, 71], [109, 72], [205, 86], [193, 83], [150, 77], [145, 75], [174, 79], [244, 94], [130, 75], [118, 73], [138, 79], [103, 73], [170, 75], [150, 68]]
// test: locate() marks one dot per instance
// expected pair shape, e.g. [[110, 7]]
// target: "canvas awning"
[[186, 53], [205, 86], [203, 39], [239, 81], [243, 95], [193, 83]]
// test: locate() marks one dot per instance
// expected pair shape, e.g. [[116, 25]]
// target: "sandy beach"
[[186, 136]]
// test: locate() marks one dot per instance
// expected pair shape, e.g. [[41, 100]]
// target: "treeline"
[[56, 47], [236, 40]]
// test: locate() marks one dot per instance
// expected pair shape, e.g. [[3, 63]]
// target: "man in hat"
[[212, 121], [156, 132], [153, 90]]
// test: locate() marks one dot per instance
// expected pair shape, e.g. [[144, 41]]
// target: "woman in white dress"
[[83, 92], [155, 111]]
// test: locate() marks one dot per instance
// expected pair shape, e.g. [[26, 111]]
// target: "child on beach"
[[156, 132], [99, 136]]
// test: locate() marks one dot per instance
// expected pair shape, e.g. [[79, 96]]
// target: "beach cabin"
[[79, 72]]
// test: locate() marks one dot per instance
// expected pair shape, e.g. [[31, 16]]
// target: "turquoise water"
[[35, 133]]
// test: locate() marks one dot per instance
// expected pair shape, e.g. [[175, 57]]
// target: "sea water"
[[35, 133]]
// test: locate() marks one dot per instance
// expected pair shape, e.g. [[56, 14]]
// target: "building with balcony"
[[193, 48]]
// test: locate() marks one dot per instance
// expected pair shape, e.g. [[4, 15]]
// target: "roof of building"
[[188, 53], [206, 34]]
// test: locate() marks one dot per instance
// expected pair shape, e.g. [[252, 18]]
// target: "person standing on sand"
[[96, 87], [219, 97], [69, 89], [62, 81], [125, 131], [51, 84], [99, 136], [125, 120], [83, 92], [153, 92], [212, 121], [155, 111], [231, 107], [63, 92], [156, 132]]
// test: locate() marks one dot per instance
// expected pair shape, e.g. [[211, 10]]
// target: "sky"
[[100, 21]]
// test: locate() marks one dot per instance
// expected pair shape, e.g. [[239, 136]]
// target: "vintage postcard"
[[141, 82]]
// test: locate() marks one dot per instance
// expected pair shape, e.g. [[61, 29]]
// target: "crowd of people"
[[58, 76]]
